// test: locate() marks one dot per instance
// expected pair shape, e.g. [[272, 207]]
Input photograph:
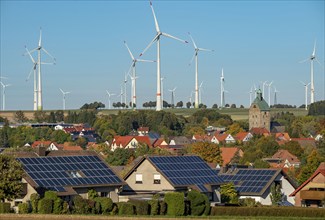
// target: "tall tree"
[[209, 152], [11, 172]]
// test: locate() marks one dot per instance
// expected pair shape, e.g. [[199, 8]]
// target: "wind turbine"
[[157, 39], [200, 91], [4, 95], [133, 79], [133, 64], [264, 83], [63, 94], [173, 96], [275, 96], [196, 51], [39, 87], [109, 99], [222, 92], [125, 81], [35, 77], [306, 93], [121, 94], [162, 91], [312, 58], [250, 96], [269, 85]]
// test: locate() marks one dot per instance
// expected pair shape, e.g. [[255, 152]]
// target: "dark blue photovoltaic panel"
[[53, 172], [186, 170], [249, 180]]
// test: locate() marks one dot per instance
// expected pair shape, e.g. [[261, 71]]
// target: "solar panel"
[[248, 180], [53, 172], [186, 170]]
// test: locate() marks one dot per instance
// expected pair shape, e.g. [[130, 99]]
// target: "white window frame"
[[156, 178], [138, 178]]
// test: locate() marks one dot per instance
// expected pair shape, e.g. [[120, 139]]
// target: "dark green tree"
[[119, 157], [276, 195], [229, 193]]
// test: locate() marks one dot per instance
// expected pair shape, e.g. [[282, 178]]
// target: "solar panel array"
[[54, 173], [186, 170], [249, 180]]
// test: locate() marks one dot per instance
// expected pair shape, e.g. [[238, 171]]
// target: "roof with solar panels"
[[63, 173], [183, 171]]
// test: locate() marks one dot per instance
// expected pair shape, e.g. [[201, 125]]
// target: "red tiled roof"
[[72, 148], [44, 143], [320, 169], [146, 129], [122, 140], [282, 136], [143, 139], [259, 131], [158, 142], [227, 153], [222, 137], [286, 155], [241, 135]]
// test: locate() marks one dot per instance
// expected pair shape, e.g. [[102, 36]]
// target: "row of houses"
[[71, 173]]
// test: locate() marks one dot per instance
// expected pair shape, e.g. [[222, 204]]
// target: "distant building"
[[259, 113]]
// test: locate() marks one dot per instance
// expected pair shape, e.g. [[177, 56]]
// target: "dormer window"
[[74, 173]]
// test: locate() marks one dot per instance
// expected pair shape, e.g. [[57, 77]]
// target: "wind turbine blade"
[[149, 45], [30, 55], [108, 93], [302, 83], [150, 61], [30, 73], [319, 63], [170, 36], [192, 40], [201, 84], [40, 37], [203, 49], [48, 63], [192, 59], [3, 85], [302, 61], [129, 50], [61, 90], [49, 54], [130, 68], [154, 16], [314, 51]]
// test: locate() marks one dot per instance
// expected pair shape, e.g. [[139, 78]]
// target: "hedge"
[[141, 207], [198, 204], [51, 195], [80, 205], [106, 204], [4, 207], [175, 203], [154, 207], [34, 198], [23, 208], [125, 208], [268, 211], [45, 206], [58, 206]]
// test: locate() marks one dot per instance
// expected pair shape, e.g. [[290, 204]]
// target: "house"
[[130, 142], [143, 131], [225, 138], [179, 140], [312, 192], [243, 136], [283, 159], [282, 137], [256, 183], [305, 142], [160, 143], [229, 153], [51, 146], [259, 113], [68, 175], [259, 131], [161, 174]]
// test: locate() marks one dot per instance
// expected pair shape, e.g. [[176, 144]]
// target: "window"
[[103, 194], [156, 179], [74, 173], [138, 178]]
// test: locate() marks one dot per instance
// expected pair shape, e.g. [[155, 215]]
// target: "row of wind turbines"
[[37, 63]]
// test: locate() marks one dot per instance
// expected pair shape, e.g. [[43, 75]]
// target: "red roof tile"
[[259, 131], [227, 153], [286, 155]]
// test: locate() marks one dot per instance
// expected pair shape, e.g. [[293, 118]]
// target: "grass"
[[94, 217]]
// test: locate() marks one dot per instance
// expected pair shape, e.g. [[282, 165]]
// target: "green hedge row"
[[4, 207], [268, 211]]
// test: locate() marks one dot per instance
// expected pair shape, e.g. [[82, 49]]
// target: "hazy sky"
[[253, 41]]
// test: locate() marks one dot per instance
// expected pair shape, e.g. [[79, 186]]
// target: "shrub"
[[91, 205], [197, 203], [162, 208], [58, 206], [45, 206], [141, 207], [34, 198], [154, 207], [106, 204], [51, 195], [175, 203], [4, 207], [249, 202], [115, 209], [23, 208], [80, 206], [92, 194], [125, 208], [65, 208]]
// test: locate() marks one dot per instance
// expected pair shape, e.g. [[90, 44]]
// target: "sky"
[[253, 41]]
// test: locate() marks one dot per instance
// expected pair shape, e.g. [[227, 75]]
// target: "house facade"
[[259, 113]]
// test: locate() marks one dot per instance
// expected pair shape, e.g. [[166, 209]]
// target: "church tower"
[[259, 113]]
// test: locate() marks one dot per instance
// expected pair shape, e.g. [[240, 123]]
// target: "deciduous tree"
[[209, 152]]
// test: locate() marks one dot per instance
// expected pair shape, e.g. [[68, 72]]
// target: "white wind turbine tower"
[[134, 76], [133, 88], [197, 49], [162, 91], [63, 96], [312, 58], [34, 67], [200, 92], [250, 96], [39, 77], [4, 86], [269, 85], [306, 94], [222, 92], [263, 85], [125, 81], [109, 99], [173, 96], [275, 96], [121, 94], [157, 39]]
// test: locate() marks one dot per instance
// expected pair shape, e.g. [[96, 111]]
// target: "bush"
[[91, 205], [141, 207], [175, 203], [250, 202], [92, 194], [125, 208], [45, 206], [4, 207], [34, 198], [51, 195], [80, 205], [23, 208], [197, 203], [269, 211], [115, 209], [58, 206], [106, 204], [154, 207], [162, 208], [65, 208]]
